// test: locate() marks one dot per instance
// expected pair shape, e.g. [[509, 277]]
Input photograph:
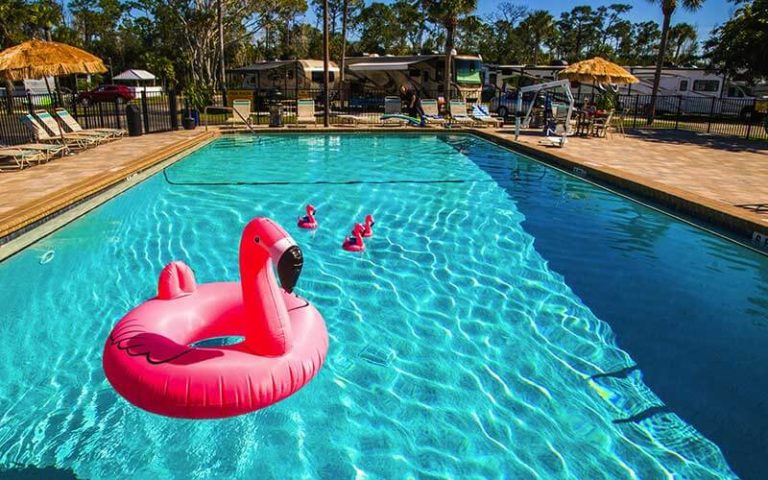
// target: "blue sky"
[[711, 14]]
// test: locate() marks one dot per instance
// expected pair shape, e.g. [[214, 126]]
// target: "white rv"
[[683, 89], [284, 75], [425, 72]]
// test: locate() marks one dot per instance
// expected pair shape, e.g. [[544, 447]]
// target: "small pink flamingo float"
[[354, 242], [166, 355], [308, 221], [368, 226]]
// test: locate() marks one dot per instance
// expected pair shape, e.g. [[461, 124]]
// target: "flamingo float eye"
[[257, 240]]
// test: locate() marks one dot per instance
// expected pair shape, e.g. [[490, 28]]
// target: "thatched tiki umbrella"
[[40, 59], [597, 70]]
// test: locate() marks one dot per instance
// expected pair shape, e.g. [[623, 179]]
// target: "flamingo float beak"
[[280, 247], [289, 267]]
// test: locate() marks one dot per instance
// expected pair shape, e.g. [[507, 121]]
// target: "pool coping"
[[697, 207], [35, 220]]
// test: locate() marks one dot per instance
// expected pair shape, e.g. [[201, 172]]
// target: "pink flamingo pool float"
[[308, 221], [155, 356], [354, 242], [368, 226]]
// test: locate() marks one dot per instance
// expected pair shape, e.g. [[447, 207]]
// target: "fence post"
[[117, 113], [173, 108], [749, 118], [677, 117], [30, 106], [637, 105], [145, 110], [711, 113]]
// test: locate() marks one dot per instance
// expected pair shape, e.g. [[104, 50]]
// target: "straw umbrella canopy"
[[597, 70], [41, 59]]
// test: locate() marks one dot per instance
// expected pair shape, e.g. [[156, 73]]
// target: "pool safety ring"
[[160, 356]]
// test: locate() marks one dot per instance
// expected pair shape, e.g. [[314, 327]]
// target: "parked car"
[[107, 93]]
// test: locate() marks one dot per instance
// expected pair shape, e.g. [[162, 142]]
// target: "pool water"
[[464, 342]]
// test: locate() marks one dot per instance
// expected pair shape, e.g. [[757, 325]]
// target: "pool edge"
[[68, 204], [676, 200]]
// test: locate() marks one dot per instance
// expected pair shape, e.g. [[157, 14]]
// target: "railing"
[[245, 121]]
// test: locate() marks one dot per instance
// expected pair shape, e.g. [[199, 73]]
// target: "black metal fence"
[[155, 109], [743, 117], [161, 111]]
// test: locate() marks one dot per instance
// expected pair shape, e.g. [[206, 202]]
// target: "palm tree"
[[682, 39], [447, 13], [537, 27], [668, 7]]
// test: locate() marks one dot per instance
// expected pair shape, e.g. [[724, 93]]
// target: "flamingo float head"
[[311, 210], [369, 220], [264, 239]]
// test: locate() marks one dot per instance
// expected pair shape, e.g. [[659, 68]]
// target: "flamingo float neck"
[[268, 328]]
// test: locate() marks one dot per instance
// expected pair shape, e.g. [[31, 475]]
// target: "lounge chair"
[[40, 134], [431, 112], [53, 127], [392, 106], [49, 150], [480, 113], [458, 111], [74, 127], [241, 114], [600, 126], [305, 111], [21, 157]]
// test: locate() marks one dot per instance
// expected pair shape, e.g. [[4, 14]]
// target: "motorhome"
[[425, 72], [299, 76], [684, 89]]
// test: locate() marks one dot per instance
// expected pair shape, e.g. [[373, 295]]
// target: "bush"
[[199, 96]]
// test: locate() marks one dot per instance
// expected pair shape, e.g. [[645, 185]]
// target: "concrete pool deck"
[[704, 177], [33, 195]]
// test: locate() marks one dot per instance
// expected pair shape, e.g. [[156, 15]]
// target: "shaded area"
[[34, 473], [718, 142], [689, 307]]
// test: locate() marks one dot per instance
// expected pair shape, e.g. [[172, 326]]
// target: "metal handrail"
[[245, 121]]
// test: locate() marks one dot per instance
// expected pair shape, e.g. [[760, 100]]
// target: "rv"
[[284, 75], [425, 72], [683, 89]]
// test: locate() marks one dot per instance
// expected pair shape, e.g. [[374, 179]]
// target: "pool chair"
[[600, 126], [431, 112], [74, 127], [40, 134], [49, 150], [480, 113], [20, 157], [305, 112], [54, 127], [458, 111], [241, 113]]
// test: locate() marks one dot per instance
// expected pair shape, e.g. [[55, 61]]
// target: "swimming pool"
[[463, 343]]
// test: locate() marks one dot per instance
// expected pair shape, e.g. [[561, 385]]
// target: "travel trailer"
[[284, 75], [425, 72], [684, 89]]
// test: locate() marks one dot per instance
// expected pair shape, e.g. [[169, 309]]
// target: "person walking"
[[410, 96]]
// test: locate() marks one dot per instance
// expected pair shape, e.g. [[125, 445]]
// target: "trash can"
[[276, 110], [133, 118]]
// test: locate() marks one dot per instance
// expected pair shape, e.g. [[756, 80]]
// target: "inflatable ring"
[[163, 355]]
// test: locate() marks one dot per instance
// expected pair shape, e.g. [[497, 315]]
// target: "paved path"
[[29, 195]]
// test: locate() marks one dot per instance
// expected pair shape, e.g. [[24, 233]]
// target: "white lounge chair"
[[49, 150], [480, 113], [241, 114], [74, 127], [458, 111], [40, 134], [20, 157], [305, 111], [431, 111], [53, 127]]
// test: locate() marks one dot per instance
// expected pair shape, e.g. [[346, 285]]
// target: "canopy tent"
[[134, 75]]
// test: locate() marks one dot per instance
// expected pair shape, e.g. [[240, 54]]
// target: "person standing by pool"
[[409, 95]]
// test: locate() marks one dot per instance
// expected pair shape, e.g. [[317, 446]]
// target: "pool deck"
[[702, 177], [710, 178], [33, 195]]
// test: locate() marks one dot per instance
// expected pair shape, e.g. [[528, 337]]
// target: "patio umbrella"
[[41, 59], [597, 70]]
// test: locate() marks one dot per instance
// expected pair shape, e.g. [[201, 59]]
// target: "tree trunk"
[[659, 65], [9, 91], [449, 34], [343, 62]]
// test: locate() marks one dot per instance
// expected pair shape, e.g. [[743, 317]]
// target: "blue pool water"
[[507, 321]]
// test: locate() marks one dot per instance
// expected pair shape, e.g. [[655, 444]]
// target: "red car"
[[107, 93]]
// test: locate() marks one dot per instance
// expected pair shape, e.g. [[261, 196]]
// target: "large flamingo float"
[[155, 356]]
